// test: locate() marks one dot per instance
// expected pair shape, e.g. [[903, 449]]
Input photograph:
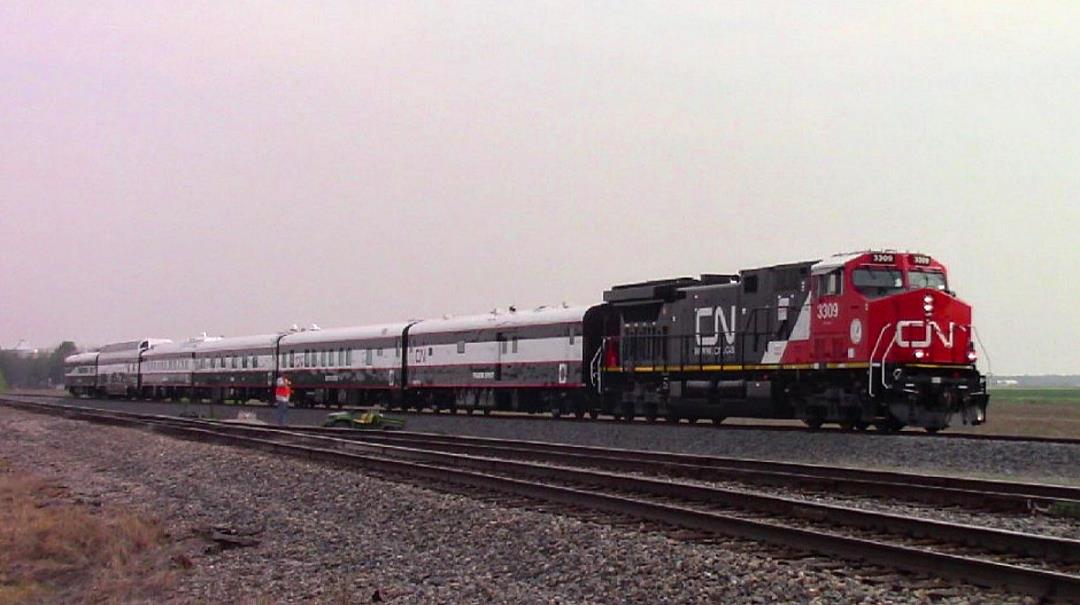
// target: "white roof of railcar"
[[89, 357], [344, 334], [239, 343], [187, 346], [502, 319]]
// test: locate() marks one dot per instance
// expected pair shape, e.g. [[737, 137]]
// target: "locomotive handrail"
[[989, 366], [885, 356], [870, 369], [595, 372]]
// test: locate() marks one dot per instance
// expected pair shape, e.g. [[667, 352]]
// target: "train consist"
[[870, 338]]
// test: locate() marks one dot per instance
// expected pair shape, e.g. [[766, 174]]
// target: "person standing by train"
[[282, 393]]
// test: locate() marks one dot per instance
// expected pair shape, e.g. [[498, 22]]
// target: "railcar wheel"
[[718, 420], [593, 414], [579, 413], [862, 426]]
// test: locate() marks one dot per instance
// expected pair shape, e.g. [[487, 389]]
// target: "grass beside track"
[[1050, 412], [55, 550]]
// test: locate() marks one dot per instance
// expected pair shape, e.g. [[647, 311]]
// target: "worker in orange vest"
[[282, 393]]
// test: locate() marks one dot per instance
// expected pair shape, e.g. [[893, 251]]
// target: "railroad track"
[[509, 416], [976, 494], [1034, 564]]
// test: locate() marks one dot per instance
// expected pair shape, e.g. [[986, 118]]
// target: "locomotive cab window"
[[926, 278], [831, 284], [874, 282]]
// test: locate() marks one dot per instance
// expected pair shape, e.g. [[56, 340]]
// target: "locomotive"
[[873, 338]]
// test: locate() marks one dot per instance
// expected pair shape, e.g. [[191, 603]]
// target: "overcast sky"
[[169, 168]]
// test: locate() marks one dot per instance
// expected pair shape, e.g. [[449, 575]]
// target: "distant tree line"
[[46, 369]]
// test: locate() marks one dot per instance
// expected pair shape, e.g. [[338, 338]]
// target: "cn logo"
[[918, 333], [720, 325]]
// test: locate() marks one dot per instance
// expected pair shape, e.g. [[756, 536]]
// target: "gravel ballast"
[[331, 535], [1011, 460]]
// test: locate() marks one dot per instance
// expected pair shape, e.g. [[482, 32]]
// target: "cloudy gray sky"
[[169, 168]]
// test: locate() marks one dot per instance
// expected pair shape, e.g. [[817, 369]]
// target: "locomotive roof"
[[839, 260], [89, 357], [238, 343], [502, 319], [347, 333]]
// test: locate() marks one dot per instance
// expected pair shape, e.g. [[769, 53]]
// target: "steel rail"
[[980, 571], [1008, 494], [933, 489]]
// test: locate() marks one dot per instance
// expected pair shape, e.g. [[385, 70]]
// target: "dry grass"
[[53, 550]]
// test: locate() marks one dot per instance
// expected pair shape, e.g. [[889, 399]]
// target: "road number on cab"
[[828, 310]]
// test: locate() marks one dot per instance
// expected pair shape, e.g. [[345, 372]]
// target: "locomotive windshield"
[[873, 282], [920, 278]]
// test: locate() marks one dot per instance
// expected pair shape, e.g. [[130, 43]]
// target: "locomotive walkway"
[[568, 477]]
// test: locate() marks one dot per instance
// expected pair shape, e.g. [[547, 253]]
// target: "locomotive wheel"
[[579, 413], [672, 418], [593, 414]]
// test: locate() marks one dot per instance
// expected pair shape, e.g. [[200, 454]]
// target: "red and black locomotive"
[[857, 339]]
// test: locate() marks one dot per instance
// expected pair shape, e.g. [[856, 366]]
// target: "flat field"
[[1048, 412]]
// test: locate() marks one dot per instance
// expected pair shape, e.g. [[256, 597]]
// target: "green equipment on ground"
[[370, 420]]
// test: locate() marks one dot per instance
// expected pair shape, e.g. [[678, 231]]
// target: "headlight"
[[919, 353], [928, 299], [928, 307]]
